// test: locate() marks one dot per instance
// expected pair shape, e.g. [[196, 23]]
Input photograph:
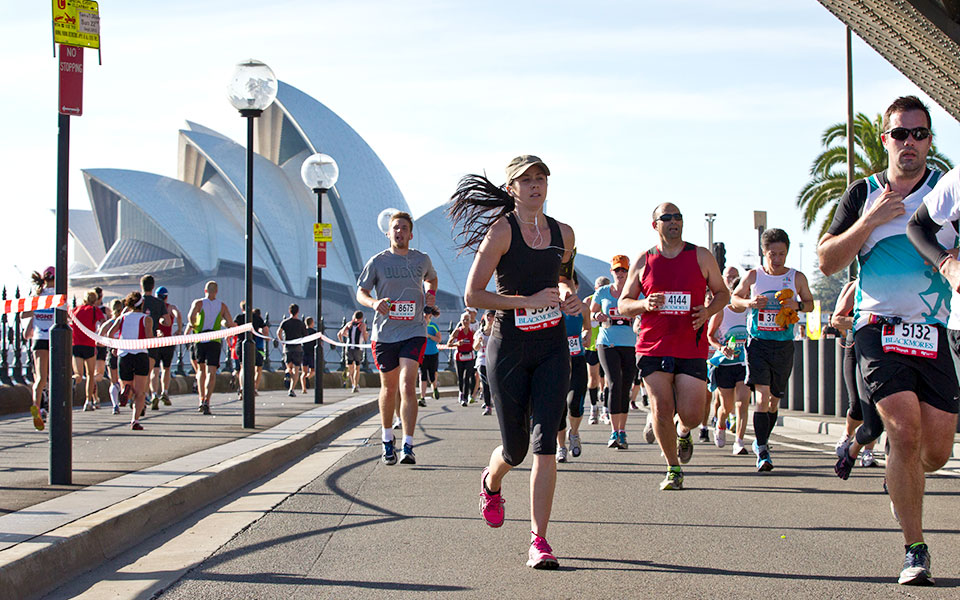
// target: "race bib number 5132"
[[912, 339]]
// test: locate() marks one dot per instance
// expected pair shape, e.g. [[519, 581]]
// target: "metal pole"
[[318, 363], [711, 217], [60, 381], [852, 269], [249, 348]]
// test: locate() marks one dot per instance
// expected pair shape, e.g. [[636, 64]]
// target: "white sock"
[[408, 439], [387, 434], [115, 394]]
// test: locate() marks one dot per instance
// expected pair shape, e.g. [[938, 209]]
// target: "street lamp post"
[[252, 89], [319, 173]]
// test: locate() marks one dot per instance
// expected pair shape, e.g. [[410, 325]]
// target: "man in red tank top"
[[667, 286]]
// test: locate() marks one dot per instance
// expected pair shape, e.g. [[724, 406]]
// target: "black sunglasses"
[[901, 133], [667, 217]]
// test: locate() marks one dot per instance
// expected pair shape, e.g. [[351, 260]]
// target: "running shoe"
[[685, 448], [354, 390], [205, 408], [763, 457], [916, 566], [673, 480], [37, 419], [622, 437], [397, 422], [575, 447], [738, 448], [87, 406], [200, 408], [421, 401], [463, 399], [843, 440], [705, 435], [116, 410], [720, 437], [593, 415], [491, 505], [136, 426], [407, 457], [436, 393], [541, 555], [165, 398], [43, 414], [486, 410], [867, 459], [155, 403], [471, 400], [614, 441], [648, 434], [633, 405], [125, 394], [844, 462], [389, 456], [561, 454]]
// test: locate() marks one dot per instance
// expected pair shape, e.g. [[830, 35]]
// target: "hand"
[[382, 306], [600, 316], [700, 316], [728, 352], [951, 271], [546, 297], [655, 301], [431, 298], [571, 304], [758, 302], [790, 303], [888, 207]]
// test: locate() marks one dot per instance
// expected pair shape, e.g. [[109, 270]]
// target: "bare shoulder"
[[566, 231]]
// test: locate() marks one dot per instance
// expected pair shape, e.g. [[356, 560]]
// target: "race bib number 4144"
[[912, 339], [675, 303]]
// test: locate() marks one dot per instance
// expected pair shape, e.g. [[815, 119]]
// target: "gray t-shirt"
[[400, 278]]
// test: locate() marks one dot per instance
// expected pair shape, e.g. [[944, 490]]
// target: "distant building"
[[190, 229]]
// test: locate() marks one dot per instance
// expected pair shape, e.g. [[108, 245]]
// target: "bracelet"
[[942, 262]]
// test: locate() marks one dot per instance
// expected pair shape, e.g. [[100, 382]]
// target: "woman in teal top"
[[431, 360]]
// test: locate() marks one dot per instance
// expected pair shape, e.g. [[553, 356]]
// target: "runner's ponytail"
[[474, 208]]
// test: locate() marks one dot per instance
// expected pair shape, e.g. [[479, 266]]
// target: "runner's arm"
[[841, 318], [721, 295], [148, 327], [850, 229], [713, 328], [380, 305], [194, 311], [569, 301], [922, 233], [740, 299], [629, 304], [803, 291], [225, 315]]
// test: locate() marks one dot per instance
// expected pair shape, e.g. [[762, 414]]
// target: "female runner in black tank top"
[[528, 360]]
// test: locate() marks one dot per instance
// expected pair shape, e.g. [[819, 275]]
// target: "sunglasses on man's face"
[[901, 133], [667, 217]]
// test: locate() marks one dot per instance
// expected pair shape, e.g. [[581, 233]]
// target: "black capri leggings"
[[466, 375], [428, 367], [528, 381], [618, 363], [872, 425], [484, 385], [577, 390]]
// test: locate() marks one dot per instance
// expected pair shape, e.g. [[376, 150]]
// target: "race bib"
[[675, 303], [462, 356], [912, 339], [766, 320], [573, 341], [537, 318], [616, 318], [403, 311]]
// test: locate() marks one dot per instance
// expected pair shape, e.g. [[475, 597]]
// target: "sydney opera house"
[[190, 229]]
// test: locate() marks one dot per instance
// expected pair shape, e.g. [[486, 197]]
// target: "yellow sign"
[[76, 23], [813, 322], [323, 232]]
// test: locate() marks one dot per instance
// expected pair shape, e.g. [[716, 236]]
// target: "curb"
[[25, 568]]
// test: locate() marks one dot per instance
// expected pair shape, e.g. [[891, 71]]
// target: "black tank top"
[[525, 271], [353, 334]]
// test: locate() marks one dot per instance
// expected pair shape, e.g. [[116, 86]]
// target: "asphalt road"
[[355, 528]]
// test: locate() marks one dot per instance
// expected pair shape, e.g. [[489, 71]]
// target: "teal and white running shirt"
[[895, 281], [943, 205]]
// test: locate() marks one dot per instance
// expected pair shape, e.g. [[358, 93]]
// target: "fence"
[[16, 360]]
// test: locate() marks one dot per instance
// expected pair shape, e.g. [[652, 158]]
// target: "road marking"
[[165, 565]]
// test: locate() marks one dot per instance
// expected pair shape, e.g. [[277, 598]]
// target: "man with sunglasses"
[[667, 285], [901, 309]]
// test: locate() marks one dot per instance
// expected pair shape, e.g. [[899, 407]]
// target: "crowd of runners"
[[701, 344]]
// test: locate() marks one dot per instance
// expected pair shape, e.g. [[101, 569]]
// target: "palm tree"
[[828, 174]]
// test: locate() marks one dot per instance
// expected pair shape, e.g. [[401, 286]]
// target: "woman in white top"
[[40, 322], [134, 364]]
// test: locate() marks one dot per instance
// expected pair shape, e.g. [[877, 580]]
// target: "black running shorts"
[[769, 362], [134, 364], [208, 353], [694, 367], [728, 376], [387, 355]]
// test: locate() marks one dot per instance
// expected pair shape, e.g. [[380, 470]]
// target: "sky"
[[715, 105]]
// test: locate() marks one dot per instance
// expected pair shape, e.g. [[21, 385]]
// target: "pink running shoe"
[[541, 554], [491, 505]]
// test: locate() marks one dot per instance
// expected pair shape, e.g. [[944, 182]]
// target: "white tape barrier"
[[160, 342], [34, 303], [313, 336]]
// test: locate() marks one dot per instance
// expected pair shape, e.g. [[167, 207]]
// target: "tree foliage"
[[828, 174]]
